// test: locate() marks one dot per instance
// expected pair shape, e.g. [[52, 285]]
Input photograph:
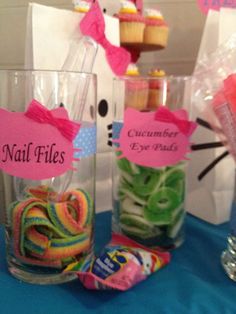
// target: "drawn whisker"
[[212, 165], [207, 125], [203, 123], [209, 145]]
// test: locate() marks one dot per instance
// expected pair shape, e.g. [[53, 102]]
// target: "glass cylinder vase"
[[228, 257], [149, 191], [49, 222]]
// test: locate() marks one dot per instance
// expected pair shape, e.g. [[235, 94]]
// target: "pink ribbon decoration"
[[163, 114], [39, 113], [93, 25], [139, 5]]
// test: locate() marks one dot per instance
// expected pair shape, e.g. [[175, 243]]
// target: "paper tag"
[[34, 150], [148, 141]]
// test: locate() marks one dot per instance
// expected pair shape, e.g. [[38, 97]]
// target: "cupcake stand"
[[137, 48]]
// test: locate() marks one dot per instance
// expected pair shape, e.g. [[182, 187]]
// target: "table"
[[194, 282]]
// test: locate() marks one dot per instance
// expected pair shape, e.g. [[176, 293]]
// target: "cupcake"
[[132, 23], [81, 6], [136, 89], [132, 70], [156, 30], [155, 88]]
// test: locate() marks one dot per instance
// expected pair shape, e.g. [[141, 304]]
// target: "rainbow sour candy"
[[149, 205], [51, 233], [122, 264]]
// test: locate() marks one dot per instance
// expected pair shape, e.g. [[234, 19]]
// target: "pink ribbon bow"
[[39, 113], [93, 25], [139, 5], [163, 114]]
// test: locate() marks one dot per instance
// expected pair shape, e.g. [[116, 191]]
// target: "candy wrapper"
[[122, 264]]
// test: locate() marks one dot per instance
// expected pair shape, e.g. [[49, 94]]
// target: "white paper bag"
[[210, 35], [227, 24], [210, 198], [48, 35]]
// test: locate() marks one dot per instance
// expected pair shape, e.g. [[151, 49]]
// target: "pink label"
[[155, 139], [206, 5], [34, 149]]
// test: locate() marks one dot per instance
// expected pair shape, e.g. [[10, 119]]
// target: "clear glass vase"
[[49, 223], [148, 202], [228, 257]]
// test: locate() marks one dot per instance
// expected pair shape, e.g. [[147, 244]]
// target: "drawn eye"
[[104, 10], [103, 108]]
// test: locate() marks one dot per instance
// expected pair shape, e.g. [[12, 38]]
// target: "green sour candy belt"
[[131, 194], [124, 165], [161, 205], [173, 175], [179, 188], [127, 178], [145, 183], [128, 206], [175, 179], [151, 201], [136, 221]]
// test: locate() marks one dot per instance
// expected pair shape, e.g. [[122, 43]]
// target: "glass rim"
[[19, 71], [149, 78]]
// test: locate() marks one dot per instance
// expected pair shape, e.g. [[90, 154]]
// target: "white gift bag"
[[109, 7], [48, 35], [227, 24], [210, 36], [211, 187]]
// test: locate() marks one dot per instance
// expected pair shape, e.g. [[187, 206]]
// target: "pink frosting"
[[136, 84], [155, 84], [129, 17], [155, 22]]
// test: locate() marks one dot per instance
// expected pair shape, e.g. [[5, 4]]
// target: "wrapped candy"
[[122, 264]]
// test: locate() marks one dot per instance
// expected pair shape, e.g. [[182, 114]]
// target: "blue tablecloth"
[[194, 282]]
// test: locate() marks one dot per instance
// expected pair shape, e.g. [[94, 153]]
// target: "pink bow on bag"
[[41, 114], [139, 5], [93, 25], [165, 115]]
